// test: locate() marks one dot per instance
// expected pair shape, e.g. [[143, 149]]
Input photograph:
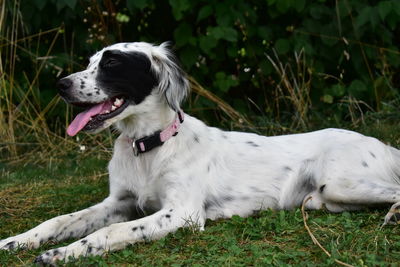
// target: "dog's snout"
[[64, 84]]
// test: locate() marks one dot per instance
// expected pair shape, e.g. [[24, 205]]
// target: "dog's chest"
[[131, 173]]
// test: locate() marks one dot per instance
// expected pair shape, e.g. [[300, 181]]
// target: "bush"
[[349, 56]]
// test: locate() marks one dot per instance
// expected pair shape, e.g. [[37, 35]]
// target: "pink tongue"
[[83, 118]]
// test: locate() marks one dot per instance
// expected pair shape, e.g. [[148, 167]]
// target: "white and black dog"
[[181, 172]]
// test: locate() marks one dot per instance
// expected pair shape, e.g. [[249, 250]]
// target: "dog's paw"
[[8, 245], [393, 216], [12, 243], [50, 257], [72, 251], [21, 241]]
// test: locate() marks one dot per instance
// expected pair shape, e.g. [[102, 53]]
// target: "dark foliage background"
[[334, 59]]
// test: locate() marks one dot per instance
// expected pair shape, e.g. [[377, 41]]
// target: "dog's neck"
[[146, 123]]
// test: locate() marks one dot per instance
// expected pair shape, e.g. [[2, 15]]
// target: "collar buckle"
[[134, 148]]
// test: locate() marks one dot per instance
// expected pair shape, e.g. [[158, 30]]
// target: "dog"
[[169, 170]]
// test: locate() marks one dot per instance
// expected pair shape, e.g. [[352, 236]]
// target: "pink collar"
[[149, 142]]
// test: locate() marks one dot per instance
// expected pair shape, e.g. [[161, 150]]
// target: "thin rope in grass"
[[314, 239]]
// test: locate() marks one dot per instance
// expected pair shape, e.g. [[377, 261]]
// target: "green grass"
[[30, 194]]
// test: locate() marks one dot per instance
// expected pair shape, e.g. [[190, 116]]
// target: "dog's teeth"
[[113, 108], [107, 111], [117, 102]]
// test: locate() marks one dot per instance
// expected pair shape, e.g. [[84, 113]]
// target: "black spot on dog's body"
[[196, 138], [89, 94], [168, 216], [251, 143], [126, 73], [84, 241], [287, 168], [141, 227], [372, 154], [256, 189], [134, 229], [38, 260], [10, 245], [321, 188], [364, 164]]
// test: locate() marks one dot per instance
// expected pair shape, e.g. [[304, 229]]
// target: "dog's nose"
[[64, 84]]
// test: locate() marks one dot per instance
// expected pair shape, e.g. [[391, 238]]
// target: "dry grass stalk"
[[225, 107], [313, 238], [294, 86]]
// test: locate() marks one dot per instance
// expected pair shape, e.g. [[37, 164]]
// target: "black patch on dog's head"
[[126, 74]]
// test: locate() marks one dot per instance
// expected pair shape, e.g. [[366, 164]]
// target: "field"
[[31, 192], [269, 67]]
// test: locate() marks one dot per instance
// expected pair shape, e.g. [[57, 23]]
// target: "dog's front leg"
[[73, 225], [119, 235]]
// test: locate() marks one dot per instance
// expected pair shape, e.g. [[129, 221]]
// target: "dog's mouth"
[[96, 114]]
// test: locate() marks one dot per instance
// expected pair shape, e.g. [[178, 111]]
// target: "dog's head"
[[119, 81]]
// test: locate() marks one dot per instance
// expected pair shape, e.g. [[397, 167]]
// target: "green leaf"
[[363, 17], [283, 5], [70, 3], [39, 4], [207, 43], [224, 33], [396, 7], [189, 56], [337, 90], [182, 34], [224, 82], [60, 5], [264, 32], [327, 99], [299, 5], [204, 12], [356, 88], [282, 46], [122, 18], [133, 4], [384, 8], [178, 7]]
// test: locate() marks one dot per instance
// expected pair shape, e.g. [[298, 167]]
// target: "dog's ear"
[[173, 82]]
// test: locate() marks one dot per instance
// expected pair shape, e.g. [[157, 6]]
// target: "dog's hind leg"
[[358, 193], [73, 225]]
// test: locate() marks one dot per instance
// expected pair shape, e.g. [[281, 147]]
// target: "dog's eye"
[[109, 62]]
